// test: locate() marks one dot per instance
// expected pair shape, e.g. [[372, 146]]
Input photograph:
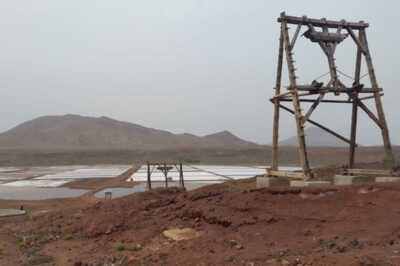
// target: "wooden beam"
[[280, 95], [305, 94], [370, 97], [370, 113], [389, 156], [353, 132], [148, 177], [295, 36], [354, 110], [313, 106], [381, 172], [312, 101], [320, 23], [332, 89], [181, 178], [356, 40], [296, 104], [333, 133], [275, 127]]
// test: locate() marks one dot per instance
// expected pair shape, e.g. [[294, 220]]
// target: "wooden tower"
[[327, 34]]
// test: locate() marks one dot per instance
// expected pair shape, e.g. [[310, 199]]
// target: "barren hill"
[[79, 132], [316, 137]]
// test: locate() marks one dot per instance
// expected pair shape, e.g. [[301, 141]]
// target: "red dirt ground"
[[238, 226]]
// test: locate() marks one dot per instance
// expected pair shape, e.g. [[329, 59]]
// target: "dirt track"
[[237, 225]]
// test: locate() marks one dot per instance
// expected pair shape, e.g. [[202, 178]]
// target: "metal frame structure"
[[164, 168], [327, 34]]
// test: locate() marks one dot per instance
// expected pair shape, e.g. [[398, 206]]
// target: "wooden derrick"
[[327, 34], [164, 167]]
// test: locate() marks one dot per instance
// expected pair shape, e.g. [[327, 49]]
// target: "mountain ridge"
[[72, 131]]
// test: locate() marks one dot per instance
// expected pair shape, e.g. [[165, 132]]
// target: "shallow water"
[[37, 193]]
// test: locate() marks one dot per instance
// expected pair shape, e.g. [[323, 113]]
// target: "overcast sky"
[[196, 66]]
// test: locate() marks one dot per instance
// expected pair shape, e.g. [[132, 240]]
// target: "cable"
[[344, 74], [363, 76], [323, 75]]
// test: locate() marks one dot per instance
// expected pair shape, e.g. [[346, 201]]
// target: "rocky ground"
[[229, 224]]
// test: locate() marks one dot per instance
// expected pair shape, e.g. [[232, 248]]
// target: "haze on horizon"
[[180, 65]]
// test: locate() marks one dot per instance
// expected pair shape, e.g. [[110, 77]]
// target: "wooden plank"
[[313, 106], [296, 104], [313, 100], [279, 95], [321, 23], [356, 40], [370, 97], [181, 178], [148, 177], [354, 111], [389, 157], [370, 114], [319, 125], [275, 127], [332, 89], [295, 36]]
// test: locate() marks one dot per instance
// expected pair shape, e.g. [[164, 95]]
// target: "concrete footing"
[[384, 179], [338, 180], [299, 183], [11, 212], [346, 180], [265, 181], [363, 179], [343, 180], [284, 182]]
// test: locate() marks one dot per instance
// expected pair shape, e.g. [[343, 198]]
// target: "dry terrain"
[[229, 224]]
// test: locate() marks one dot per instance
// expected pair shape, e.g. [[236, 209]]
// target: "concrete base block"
[[343, 180], [265, 181], [384, 179], [299, 183], [363, 179], [318, 183], [11, 212]]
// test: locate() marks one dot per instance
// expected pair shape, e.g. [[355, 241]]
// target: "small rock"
[[230, 259], [285, 262], [233, 243], [181, 234], [341, 249], [239, 247]]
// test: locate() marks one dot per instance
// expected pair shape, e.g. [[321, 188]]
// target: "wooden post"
[[275, 130], [182, 182], [389, 158], [354, 112], [296, 104], [165, 174], [148, 176], [329, 51]]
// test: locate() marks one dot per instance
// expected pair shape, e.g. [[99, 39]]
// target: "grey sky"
[[196, 66]]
